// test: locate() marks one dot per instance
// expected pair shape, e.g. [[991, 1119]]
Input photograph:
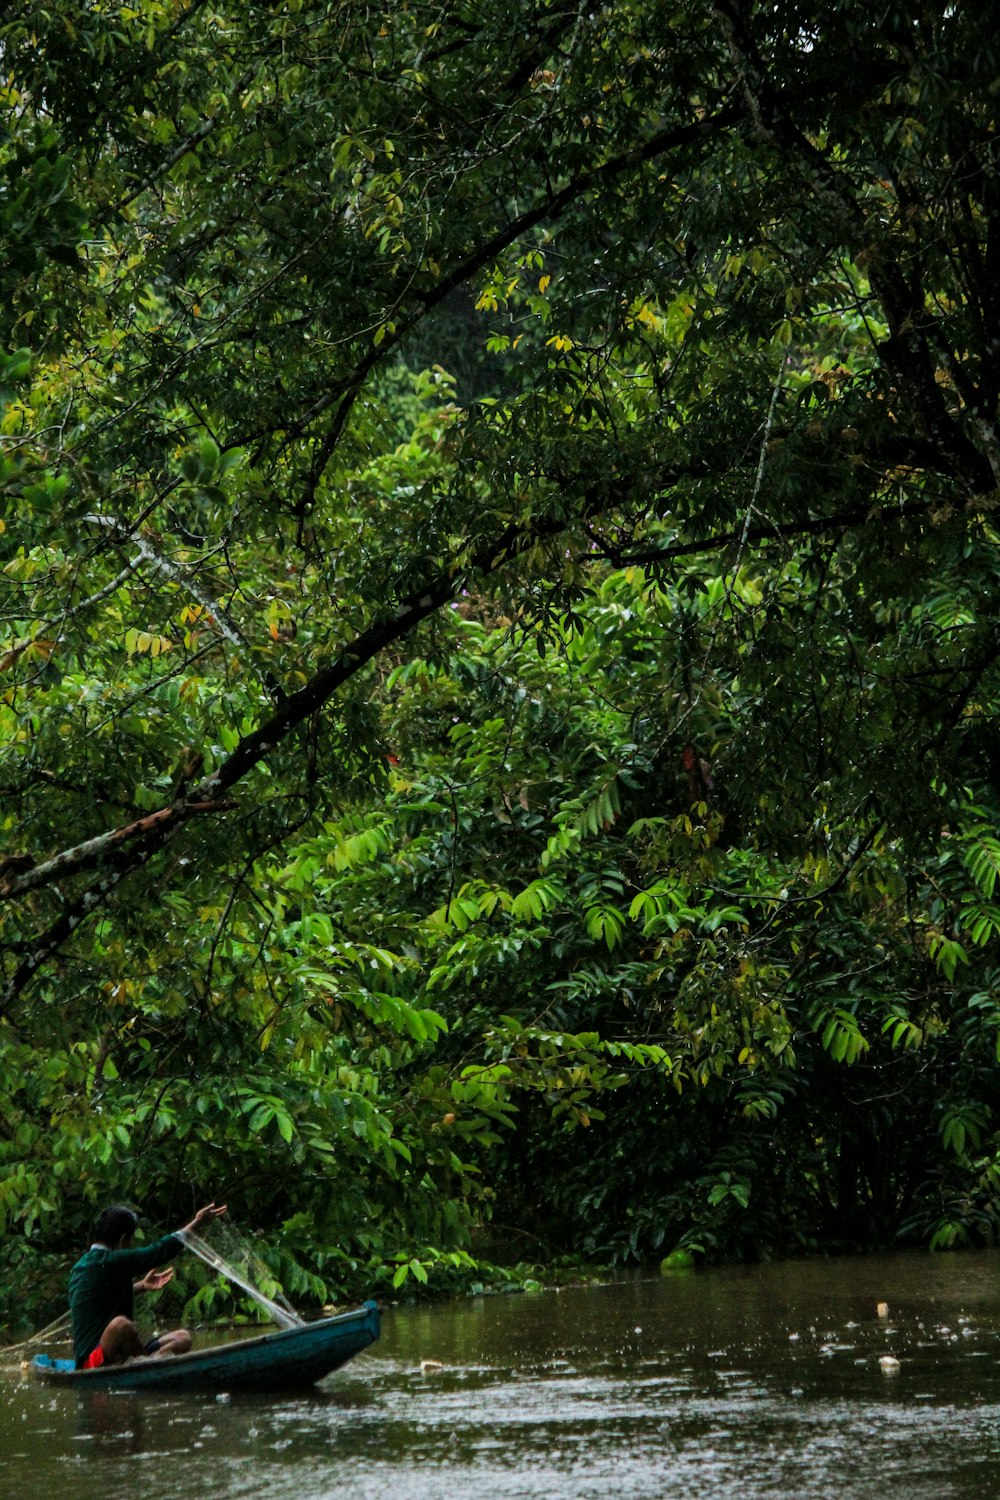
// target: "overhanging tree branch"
[[151, 832], [344, 392], [784, 531], [121, 851]]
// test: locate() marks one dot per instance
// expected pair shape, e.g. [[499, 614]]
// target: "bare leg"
[[176, 1342], [120, 1341]]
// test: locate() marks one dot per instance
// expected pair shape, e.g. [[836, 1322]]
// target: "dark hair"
[[116, 1224]]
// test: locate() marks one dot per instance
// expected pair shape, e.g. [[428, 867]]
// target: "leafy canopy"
[[499, 582]]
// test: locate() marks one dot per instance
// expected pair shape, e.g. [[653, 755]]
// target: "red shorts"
[[94, 1360]]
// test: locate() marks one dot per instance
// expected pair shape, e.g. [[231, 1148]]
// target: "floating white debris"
[[427, 1366], [889, 1364], [882, 1308]]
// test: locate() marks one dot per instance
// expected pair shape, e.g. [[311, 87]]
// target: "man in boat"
[[102, 1286]]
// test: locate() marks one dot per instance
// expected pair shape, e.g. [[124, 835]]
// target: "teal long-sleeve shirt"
[[100, 1287]]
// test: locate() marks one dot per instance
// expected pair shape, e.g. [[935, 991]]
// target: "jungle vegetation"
[[500, 594]]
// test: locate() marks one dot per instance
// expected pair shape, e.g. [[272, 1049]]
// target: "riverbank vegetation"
[[499, 676]]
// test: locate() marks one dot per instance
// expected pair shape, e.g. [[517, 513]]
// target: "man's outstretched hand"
[[154, 1281], [204, 1216]]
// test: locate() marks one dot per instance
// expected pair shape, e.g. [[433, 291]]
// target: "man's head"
[[116, 1226]]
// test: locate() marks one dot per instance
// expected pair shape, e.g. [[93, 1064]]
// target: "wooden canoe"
[[294, 1357]]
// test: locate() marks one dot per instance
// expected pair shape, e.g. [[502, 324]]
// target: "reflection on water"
[[733, 1382]]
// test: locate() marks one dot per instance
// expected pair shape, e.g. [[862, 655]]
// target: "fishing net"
[[235, 1258], [55, 1333]]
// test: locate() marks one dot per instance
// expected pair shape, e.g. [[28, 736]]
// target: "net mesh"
[[54, 1333], [236, 1260]]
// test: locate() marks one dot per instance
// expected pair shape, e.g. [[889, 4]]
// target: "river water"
[[730, 1383]]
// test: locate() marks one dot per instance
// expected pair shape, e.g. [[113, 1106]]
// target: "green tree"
[[733, 267]]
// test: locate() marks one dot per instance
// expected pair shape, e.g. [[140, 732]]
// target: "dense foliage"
[[500, 657]]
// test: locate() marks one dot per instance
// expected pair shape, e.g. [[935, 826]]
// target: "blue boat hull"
[[295, 1357]]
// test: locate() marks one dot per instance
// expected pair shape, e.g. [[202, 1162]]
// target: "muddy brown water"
[[729, 1383]]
